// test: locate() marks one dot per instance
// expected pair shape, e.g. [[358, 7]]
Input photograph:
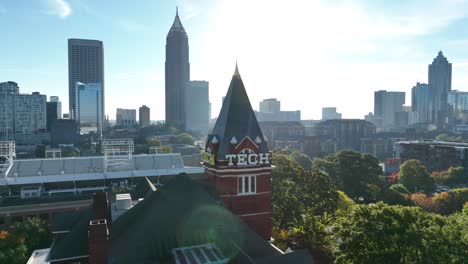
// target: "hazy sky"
[[307, 53]]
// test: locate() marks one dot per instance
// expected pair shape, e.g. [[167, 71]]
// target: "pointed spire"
[[236, 71], [177, 25], [177, 10]]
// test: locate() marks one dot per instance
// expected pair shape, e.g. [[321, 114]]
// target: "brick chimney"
[[98, 235], [101, 207]]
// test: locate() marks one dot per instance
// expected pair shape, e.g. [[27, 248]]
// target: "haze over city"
[[308, 54]]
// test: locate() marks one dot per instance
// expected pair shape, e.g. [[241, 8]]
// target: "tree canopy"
[[380, 233], [414, 176], [355, 173]]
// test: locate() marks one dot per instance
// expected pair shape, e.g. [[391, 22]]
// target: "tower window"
[[246, 184]]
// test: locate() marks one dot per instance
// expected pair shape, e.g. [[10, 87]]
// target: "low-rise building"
[[434, 155]]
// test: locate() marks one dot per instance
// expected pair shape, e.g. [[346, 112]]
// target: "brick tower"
[[237, 160]]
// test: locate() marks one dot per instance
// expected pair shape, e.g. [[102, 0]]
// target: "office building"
[[88, 107], [281, 134], [345, 133], [56, 99], [458, 107], [177, 73], [386, 104], [52, 113], [85, 65], [21, 114], [330, 113], [270, 111], [144, 116], [8, 88], [270, 106], [197, 105], [126, 117], [440, 83], [434, 155], [420, 103], [64, 131]]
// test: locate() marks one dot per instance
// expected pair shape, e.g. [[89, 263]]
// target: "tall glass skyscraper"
[[88, 102], [420, 103], [85, 65], [440, 83], [177, 73]]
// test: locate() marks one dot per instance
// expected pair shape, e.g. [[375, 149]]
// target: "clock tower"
[[238, 162]]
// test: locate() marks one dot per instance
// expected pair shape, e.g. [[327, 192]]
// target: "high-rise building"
[[330, 113], [386, 104], [440, 83], [9, 88], [458, 107], [88, 107], [85, 65], [271, 105], [21, 114], [420, 103], [198, 106], [144, 116], [177, 73], [270, 110], [126, 117], [52, 114], [56, 99]]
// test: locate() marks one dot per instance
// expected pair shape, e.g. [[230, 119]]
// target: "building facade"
[[282, 133], [21, 114], [440, 83], [458, 108], [177, 73], [386, 104], [198, 106], [126, 117], [56, 99], [420, 103], [345, 133], [271, 105], [85, 65], [237, 160], [88, 107], [270, 111], [144, 116], [330, 113], [434, 155]]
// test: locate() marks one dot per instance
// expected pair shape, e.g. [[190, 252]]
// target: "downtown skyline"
[[305, 60]]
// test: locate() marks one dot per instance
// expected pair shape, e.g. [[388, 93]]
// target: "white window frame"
[[245, 190]]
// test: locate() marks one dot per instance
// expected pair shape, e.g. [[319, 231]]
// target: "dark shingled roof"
[[181, 213], [236, 119], [64, 221]]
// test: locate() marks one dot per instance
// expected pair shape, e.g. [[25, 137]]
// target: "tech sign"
[[244, 159]]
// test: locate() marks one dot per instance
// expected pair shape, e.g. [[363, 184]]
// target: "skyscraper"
[[88, 114], [85, 65], [126, 117], [420, 103], [144, 116], [386, 104], [177, 73], [197, 106], [440, 83], [270, 106], [55, 99]]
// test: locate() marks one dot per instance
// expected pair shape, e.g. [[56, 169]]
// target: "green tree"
[[355, 173], [443, 137], [154, 143], [166, 149], [399, 188], [414, 176], [183, 138], [69, 152], [380, 233], [34, 233], [302, 159]]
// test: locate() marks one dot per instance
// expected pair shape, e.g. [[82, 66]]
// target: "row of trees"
[[16, 246], [310, 211]]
